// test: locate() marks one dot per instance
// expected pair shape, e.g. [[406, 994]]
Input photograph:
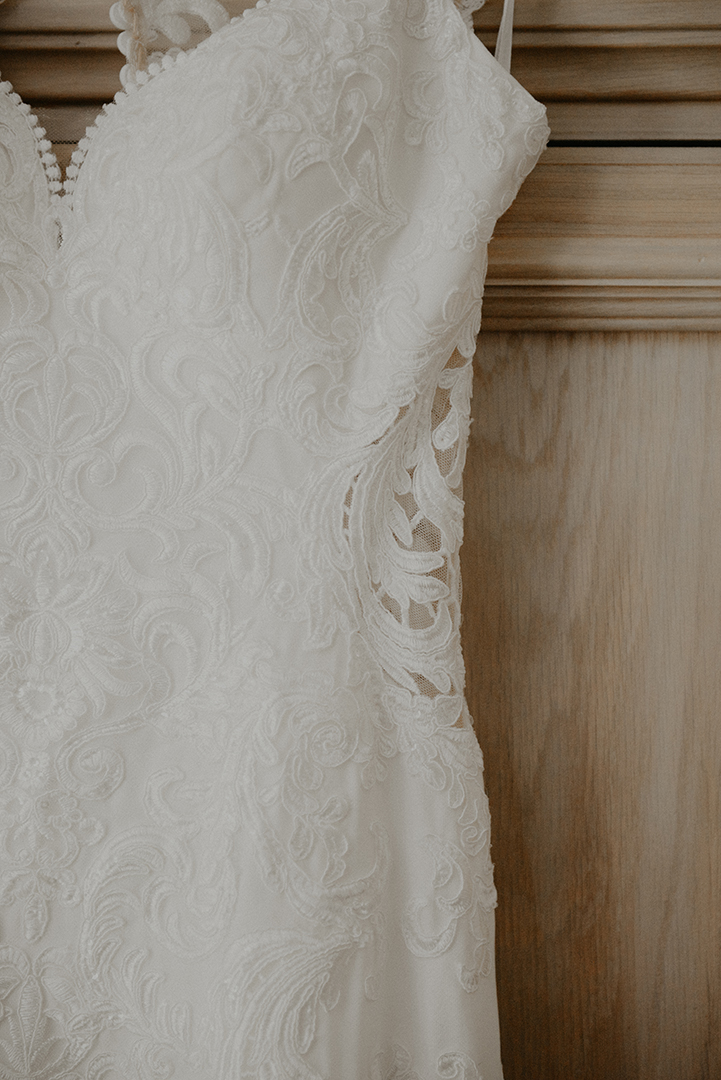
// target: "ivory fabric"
[[243, 831]]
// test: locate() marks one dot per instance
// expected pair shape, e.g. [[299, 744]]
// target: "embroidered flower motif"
[[59, 625], [395, 1064], [40, 839], [461, 220], [455, 220], [34, 770], [345, 36], [49, 1028], [58, 397], [47, 703]]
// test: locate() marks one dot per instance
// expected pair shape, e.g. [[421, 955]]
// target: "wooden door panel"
[[592, 636]]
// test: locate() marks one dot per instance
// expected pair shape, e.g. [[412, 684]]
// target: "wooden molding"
[[529, 15], [609, 15], [60, 41], [611, 238], [601, 305], [635, 121]]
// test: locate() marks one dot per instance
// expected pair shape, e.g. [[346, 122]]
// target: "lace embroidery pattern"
[[467, 9], [240, 796], [397, 1064]]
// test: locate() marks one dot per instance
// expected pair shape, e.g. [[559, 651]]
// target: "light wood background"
[[592, 560], [592, 637]]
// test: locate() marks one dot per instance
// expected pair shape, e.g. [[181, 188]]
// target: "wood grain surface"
[[592, 637], [609, 15], [611, 237]]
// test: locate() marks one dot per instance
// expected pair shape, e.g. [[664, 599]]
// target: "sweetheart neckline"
[[60, 190]]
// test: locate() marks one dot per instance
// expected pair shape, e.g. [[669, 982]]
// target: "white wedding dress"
[[243, 831]]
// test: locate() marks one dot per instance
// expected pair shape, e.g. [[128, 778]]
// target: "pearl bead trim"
[[61, 191]]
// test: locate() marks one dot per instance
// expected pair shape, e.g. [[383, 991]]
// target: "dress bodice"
[[243, 832]]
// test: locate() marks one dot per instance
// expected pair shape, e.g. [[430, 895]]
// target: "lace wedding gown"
[[243, 832]]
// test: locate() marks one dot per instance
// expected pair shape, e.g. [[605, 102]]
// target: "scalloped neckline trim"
[[60, 190]]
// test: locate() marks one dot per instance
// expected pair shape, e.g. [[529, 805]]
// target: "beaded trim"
[[133, 83], [43, 145], [139, 21], [61, 190]]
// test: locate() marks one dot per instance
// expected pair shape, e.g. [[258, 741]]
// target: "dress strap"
[[505, 36]]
